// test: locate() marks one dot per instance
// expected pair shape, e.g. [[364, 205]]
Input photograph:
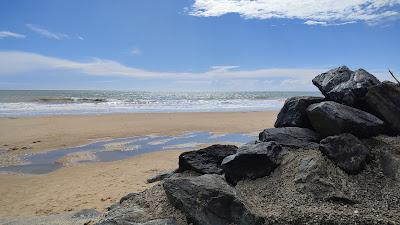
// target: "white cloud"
[[312, 22], [9, 34], [14, 62], [51, 35], [314, 12], [136, 51], [322, 23]]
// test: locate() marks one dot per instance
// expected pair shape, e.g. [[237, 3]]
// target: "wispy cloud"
[[314, 12], [14, 62], [52, 35], [9, 34], [136, 51]]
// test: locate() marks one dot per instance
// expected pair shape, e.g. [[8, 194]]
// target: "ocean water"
[[15, 103]]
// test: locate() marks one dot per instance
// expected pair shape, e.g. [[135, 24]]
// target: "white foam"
[[181, 105]]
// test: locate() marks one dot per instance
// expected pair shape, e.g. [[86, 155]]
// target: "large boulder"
[[331, 118], [293, 113], [252, 161], [208, 200], [345, 86], [207, 160], [292, 137], [346, 151], [383, 100]]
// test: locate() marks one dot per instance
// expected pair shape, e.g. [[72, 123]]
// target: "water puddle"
[[117, 149]]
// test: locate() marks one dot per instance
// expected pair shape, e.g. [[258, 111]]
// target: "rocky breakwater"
[[331, 160]]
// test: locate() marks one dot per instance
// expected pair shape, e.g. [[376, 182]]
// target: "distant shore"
[[100, 184]]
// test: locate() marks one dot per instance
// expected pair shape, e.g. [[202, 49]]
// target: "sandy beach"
[[98, 185]]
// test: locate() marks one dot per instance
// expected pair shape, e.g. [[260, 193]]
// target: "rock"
[[383, 100], [159, 222], [252, 161], [321, 180], [390, 163], [293, 137], [348, 153], [345, 86], [160, 176], [86, 213], [331, 118], [208, 200], [293, 113], [119, 221], [122, 216], [207, 160]]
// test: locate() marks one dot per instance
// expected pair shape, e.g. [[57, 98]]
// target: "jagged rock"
[[293, 113], [383, 100], [348, 153], [160, 176], [331, 118], [207, 160], [293, 137], [208, 200], [345, 86], [252, 161]]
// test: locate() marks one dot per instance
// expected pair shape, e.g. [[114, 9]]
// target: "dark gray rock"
[[293, 113], [292, 137], [207, 160], [348, 153], [390, 163], [208, 200], [331, 118], [345, 86], [160, 176], [383, 100], [252, 161]]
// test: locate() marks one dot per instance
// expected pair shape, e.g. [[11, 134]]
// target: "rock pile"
[[327, 161]]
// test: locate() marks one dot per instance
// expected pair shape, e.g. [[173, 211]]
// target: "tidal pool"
[[121, 148]]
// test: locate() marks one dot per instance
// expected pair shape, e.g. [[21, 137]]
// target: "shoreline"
[[46, 133]]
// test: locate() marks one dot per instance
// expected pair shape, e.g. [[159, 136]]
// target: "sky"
[[193, 45]]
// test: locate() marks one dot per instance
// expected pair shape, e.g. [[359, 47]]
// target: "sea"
[[21, 103]]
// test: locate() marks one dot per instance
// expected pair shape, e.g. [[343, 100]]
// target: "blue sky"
[[192, 45]]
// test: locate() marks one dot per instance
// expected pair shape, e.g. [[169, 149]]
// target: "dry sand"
[[98, 185]]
